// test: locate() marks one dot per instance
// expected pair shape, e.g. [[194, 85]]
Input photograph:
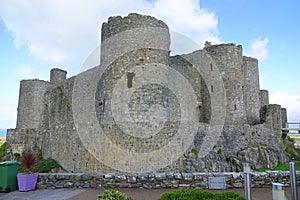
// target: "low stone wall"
[[158, 180]]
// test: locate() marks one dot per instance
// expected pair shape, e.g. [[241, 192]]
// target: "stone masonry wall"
[[20, 139], [158, 180]]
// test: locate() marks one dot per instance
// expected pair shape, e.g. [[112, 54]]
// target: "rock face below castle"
[[142, 110]]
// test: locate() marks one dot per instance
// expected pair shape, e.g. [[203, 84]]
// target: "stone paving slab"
[[42, 194]]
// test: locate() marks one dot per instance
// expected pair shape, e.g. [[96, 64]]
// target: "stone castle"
[[142, 110]]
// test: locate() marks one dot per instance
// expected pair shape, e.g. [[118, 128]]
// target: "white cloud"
[[64, 33], [24, 71], [8, 114], [290, 101], [258, 49], [186, 17]]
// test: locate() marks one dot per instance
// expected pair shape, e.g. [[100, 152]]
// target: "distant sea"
[[2, 132]]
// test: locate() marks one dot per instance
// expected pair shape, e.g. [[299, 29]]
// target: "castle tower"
[[229, 59], [57, 75], [122, 35], [274, 120], [31, 103], [251, 89], [284, 117], [264, 97]]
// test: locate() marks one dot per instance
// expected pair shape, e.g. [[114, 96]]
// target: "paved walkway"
[[137, 194], [46, 194]]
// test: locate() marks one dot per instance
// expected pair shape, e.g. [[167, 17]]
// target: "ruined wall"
[[20, 139]]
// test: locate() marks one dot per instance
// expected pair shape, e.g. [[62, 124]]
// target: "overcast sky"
[[36, 36]]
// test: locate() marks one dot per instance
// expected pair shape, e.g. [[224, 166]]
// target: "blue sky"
[[36, 36]]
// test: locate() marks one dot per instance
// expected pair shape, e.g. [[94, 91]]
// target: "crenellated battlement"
[[119, 24]]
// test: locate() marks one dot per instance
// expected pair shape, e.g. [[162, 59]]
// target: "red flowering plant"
[[27, 159]]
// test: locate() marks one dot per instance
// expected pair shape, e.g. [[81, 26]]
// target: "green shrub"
[[228, 196], [186, 195], [292, 140], [291, 150], [41, 165], [46, 165], [195, 152], [3, 150], [113, 195], [17, 156], [197, 194]]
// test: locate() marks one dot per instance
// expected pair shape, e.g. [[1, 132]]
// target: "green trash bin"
[[8, 176]]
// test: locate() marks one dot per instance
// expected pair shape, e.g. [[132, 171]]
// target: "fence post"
[[247, 181], [293, 181]]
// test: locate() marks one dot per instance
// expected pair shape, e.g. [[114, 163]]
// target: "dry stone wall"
[[159, 180]]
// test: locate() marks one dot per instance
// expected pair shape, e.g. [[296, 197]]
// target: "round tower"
[[229, 59], [121, 35], [264, 97], [275, 119], [251, 89], [31, 103], [284, 117]]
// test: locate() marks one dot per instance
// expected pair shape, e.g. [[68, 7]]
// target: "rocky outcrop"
[[258, 157], [262, 157]]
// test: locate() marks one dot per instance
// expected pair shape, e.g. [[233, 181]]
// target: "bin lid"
[[278, 186], [6, 163]]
